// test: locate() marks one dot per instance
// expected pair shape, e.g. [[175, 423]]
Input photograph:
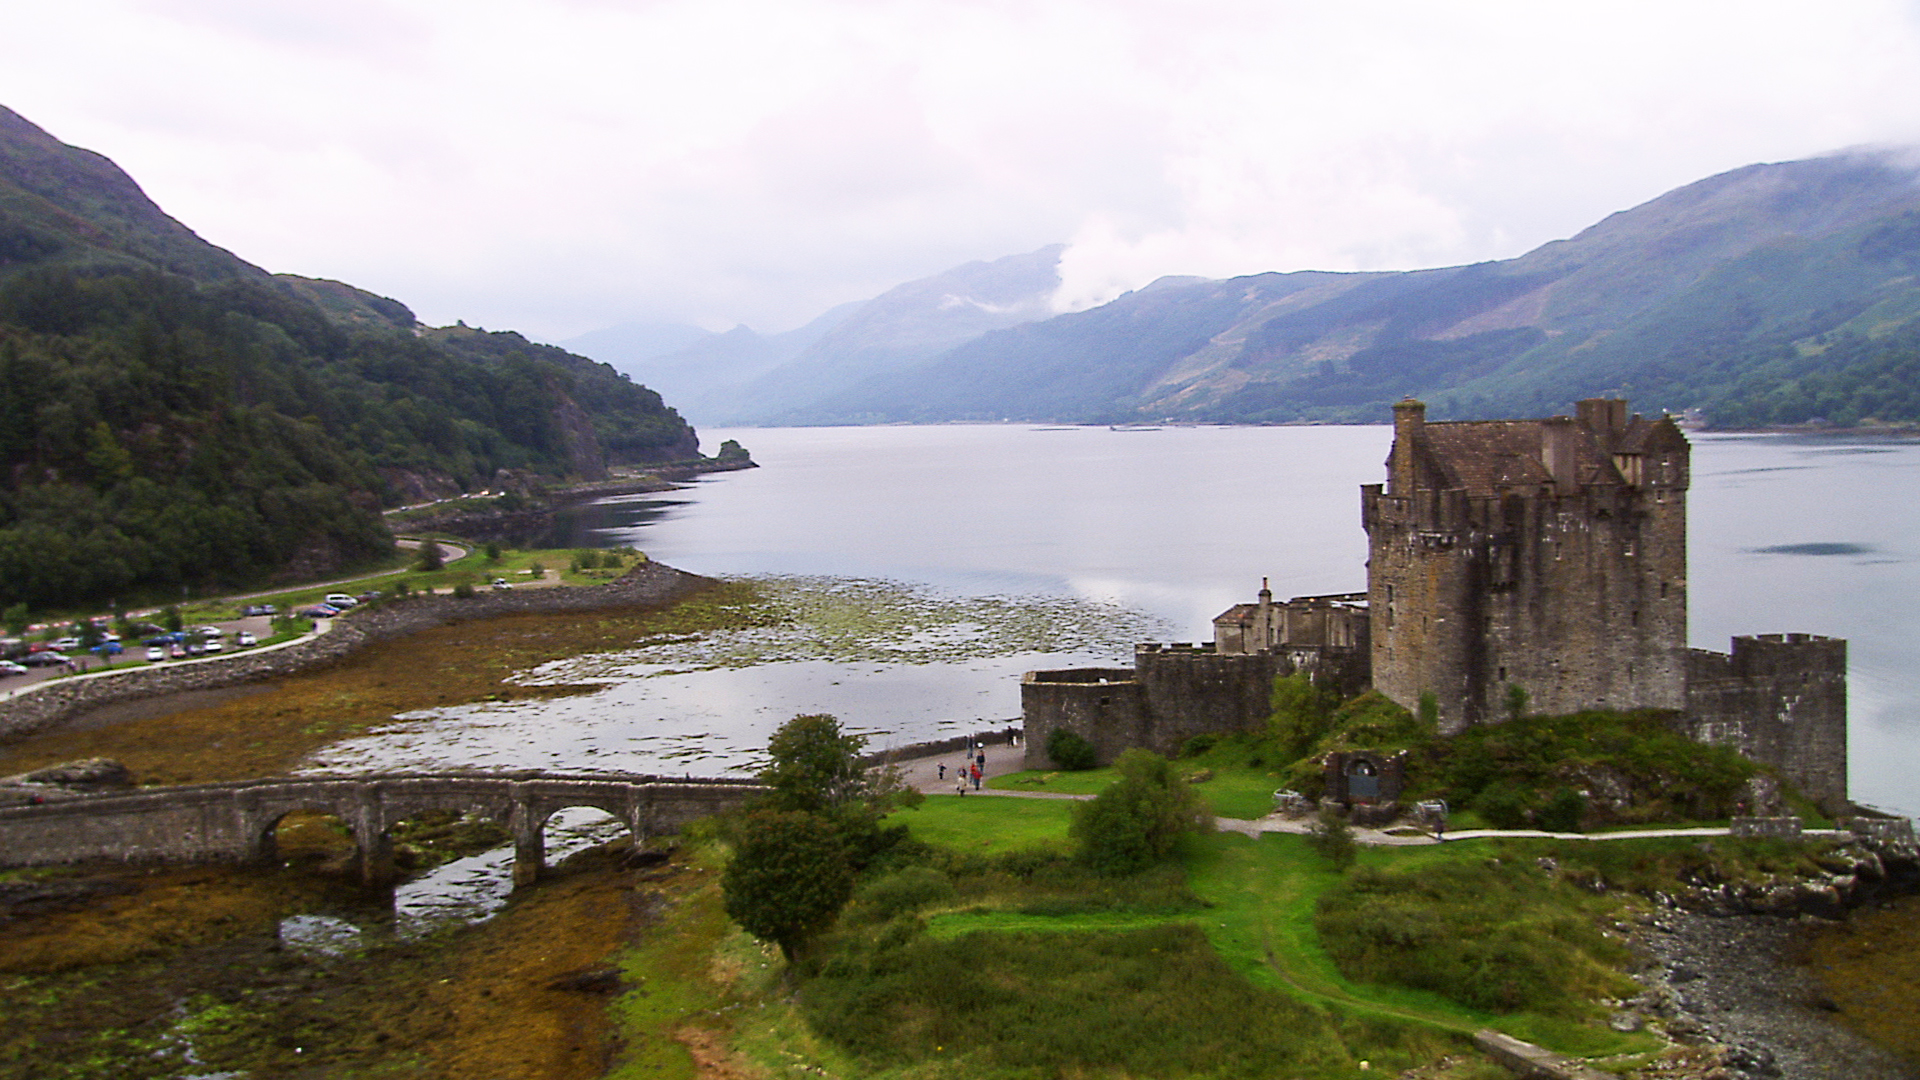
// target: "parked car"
[[108, 648], [64, 644], [318, 611], [269, 609], [502, 583], [214, 645], [244, 639], [211, 631], [156, 653], [46, 658], [340, 600], [176, 651], [369, 596], [8, 667]]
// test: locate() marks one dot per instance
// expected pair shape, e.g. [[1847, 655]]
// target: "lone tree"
[[796, 854], [788, 879], [431, 557], [816, 766], [1139, 818]]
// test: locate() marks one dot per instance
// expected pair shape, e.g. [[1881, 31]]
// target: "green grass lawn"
[[1260, 897], [1244, 793], [987, 826]]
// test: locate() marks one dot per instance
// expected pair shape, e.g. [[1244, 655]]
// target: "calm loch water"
[[1787, 533]]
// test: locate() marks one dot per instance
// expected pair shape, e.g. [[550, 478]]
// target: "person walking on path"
[[976, 778], [943, 770]]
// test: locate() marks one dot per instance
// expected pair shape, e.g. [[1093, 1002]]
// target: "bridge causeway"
[[235, 821]]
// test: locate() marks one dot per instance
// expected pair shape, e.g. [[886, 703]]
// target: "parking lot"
[[135, 654]]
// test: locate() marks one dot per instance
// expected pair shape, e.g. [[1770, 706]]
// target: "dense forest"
[[172, 416]]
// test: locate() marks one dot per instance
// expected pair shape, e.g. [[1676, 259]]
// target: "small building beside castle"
[[1536, 560]]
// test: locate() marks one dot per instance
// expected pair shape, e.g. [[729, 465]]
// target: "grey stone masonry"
[[235, 822], [648, 585]]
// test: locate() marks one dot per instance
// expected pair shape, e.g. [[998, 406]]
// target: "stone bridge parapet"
[[235, 822]]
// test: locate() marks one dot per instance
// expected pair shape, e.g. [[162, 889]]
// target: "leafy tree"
[[431, 557], [788, 879], [1139, 818], [17, 619], [1302, 711], [493, 552], [816, 767], [170, 618], [1071, 751]]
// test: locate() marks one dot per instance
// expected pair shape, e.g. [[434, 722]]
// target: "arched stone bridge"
[[235, 822]]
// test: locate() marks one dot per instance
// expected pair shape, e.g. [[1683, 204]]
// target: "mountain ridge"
[[1505, 337]]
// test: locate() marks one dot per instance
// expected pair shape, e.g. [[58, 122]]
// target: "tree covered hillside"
[[175, 416]]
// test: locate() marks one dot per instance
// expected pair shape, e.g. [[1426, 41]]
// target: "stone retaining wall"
[[648, 585], [1778, 828]]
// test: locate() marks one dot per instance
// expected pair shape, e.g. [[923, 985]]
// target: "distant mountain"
[[902, 328], [705, 376], [171, 414], [630, 345], [1761, 295]]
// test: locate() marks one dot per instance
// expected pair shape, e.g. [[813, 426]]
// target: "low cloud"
[[558, 167]]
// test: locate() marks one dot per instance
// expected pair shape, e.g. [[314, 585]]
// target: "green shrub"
[[901, 892], [1503, 805], [1198, 744], [1563, 812], [463, 591], [1332, 837], [1137, 820], [1070, 751]]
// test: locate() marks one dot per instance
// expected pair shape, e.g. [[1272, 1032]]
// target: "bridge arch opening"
[[309, 836], [428, 838], [570, 830]]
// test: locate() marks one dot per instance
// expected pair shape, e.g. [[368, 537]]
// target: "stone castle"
[[1508, 560]]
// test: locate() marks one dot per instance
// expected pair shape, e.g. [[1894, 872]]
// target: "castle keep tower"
[[1549, 555]]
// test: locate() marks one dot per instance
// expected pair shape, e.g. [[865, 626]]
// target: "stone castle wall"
[[1780, 699], [48, 704], [1171, 694]]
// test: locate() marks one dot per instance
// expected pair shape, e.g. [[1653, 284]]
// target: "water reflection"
[[467, 890]]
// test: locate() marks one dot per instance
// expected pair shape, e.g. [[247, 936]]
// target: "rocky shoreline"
[[1726, 968], [1742, 982]]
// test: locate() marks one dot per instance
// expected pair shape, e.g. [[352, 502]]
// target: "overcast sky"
[[557, 167]]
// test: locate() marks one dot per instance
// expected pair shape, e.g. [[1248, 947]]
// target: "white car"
[[156, 653], [211, 631], [65, 644], [8, 667], [243, 639], [214, 644], [340, 600]]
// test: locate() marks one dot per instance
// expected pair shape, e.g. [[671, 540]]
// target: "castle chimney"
[[1409, 419], [1603, 416], [1557, 450]]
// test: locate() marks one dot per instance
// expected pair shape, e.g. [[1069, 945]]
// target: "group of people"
[[973, 768]]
